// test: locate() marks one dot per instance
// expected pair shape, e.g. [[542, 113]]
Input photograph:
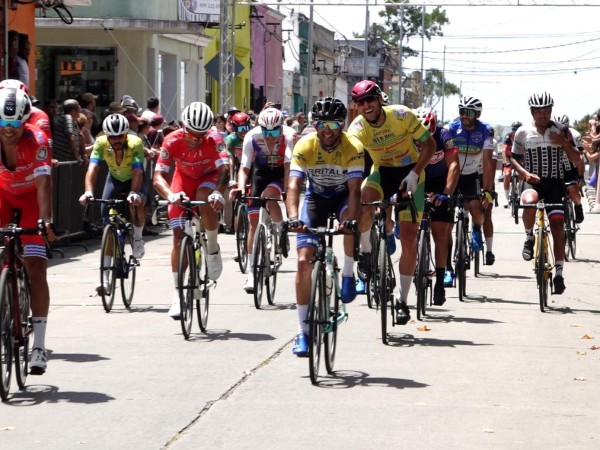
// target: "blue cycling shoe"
[[360, 286], [390, 241], [449, 278], [348, 289], [476, 241], [300, 347]]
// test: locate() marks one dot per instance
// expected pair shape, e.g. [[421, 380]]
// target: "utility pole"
[[400, 33], [422, 96], [227, 56], [366, 53], [309, 63]]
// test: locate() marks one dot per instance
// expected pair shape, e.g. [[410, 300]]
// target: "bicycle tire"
[[515, 199], [202, 300], [272, 265], [127, 270], [370, 286], [421, 284], [241, 237], [21, 354], [6, 332], [461, 263], [330, 316], [260, 256], [108, 250], [476, 263], [542, 279], [572, 231], [383, 283], [186, 284], [315, 320]]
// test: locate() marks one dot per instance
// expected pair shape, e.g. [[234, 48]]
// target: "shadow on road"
[[227, 335], [409, 340], [450, 318], [344, 379], [76, 357], [36, 394]]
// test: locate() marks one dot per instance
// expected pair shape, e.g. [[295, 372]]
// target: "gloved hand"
[[216, 196], [232, 184], [133, 197], [87, 196], [174, 197], [410, 182]]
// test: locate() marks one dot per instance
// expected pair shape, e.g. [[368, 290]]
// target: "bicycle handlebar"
[[541, 205], [399, 205]]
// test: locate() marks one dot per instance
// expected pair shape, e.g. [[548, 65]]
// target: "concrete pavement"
[[492, 372]]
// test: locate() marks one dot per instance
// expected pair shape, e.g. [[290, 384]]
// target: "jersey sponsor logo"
[[436, 158], [400, 113], [40, 137], [383, 137], [357, 125], [476, 137], [42, 153], [164, 154], [44, 170], [406, 160]]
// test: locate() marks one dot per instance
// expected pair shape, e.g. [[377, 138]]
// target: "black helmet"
[[329, 108], [516, 125]]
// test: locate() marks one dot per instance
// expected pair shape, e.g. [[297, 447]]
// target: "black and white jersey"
[[541, 156]]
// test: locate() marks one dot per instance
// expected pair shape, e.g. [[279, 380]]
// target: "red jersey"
[[33, 160], [41, 120], [195, 163]]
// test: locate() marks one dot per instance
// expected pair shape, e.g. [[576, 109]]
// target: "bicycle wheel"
[[22, 351], [272, 266], [186, 284], [571, 231], [370, 285], [203, 295], [330, 313], [515, 199], [476, 262], [542, 279], [126, 269], [6, 332], [108, 270], [383, 289], [241, 237], [315, 319], [421, 274], [461, 260], [261, 258]]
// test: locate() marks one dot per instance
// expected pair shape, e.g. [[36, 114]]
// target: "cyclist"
[[506, 165], [475, 147], [25, 185], [387, 134], [333, 167], [201, 173], [441, 178], [123, 153], [488, 224], [267, 150], [537, 155], [574, 171]]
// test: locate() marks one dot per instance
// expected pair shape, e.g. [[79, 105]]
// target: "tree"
[[433, 87]]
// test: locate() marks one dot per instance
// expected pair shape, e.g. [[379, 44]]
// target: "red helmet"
[[427, 118], [240, 119], [365, 88]]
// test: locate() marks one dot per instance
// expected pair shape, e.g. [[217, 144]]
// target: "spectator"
[[300, 122], [131, 111], [114, 108], [220, 125], [152, 107], [50, 108], [88, 102], [85, 122], [67, 143], [23, 58], [13, 52], [155, 134]]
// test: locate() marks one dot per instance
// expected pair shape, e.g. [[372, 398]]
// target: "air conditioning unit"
[[77, 2]]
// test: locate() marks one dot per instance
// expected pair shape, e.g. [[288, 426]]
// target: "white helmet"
[[198, 117], [561, 119], [385, 98], [470, 103], [14, 84], [115, 125], [270, 118], [542, 100], [14, 104]]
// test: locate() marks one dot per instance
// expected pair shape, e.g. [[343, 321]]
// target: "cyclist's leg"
[[348, 293], [475, 209], [572, 187], [260, 184], [529, 196], [371, 191], [488, 232], [554, 192]]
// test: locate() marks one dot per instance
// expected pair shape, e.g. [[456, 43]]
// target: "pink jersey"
[[33, 160], [192, 162]]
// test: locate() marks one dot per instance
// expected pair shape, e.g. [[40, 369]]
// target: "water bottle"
[[197, 255], [328, 274], [188, 228]]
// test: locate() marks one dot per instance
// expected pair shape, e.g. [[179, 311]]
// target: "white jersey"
[[255, 149]]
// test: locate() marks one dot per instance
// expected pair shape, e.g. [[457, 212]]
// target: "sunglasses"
[[242, 128], [10, 123], [194, 136], [467, 112], [331, 124], [271, 133], [367, 99]]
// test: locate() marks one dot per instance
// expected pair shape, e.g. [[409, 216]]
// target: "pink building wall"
[[267, 54]]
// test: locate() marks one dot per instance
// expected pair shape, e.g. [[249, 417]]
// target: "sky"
[[504, 54]]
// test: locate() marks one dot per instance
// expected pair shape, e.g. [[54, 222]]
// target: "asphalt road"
[[492, 372]]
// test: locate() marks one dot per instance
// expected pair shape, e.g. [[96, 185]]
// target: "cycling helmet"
[[329, 108], [14, 104], [197, 117], [427, 118], [240, 119], [516, 125], [385, 98], [491, 131], [270, 118], [14, 84], [470, 103], [542, 100], [365, 88], [561, 119], [115, 125]]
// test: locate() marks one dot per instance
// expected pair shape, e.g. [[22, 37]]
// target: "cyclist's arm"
[[161, 184], [354, 198], [137, 179], [44, 196], [452, 162], [427, 150], [293, 197], [223, 180], [286, 174], [90, 176], [489, 168]]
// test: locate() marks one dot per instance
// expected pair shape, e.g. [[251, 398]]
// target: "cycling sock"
[[175, 279], [507, 193], [365, 241], [211, 241], [559, 267], [302, 314], [489, 242], [348, 269], [137, 232], [529, 234], [439, 274], [405, 282], [39, 332], [250, 262], [449, 256], [107, 261]]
